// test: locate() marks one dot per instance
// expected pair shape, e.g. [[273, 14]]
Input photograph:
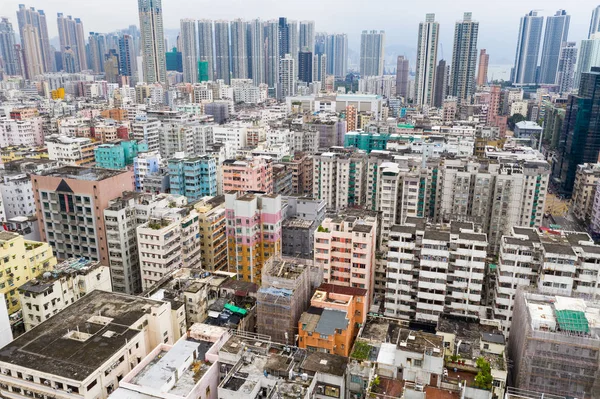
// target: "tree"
[[513, 120], [483, 379]]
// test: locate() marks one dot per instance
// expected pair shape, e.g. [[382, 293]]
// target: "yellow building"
[[15, 153], [211, 216], [20, 261], [58, 94]]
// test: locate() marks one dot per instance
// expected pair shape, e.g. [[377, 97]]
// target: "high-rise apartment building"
[[253, 232], [97, 50], [528, 49], [205, 45], [402, 71], [213, 236], [222, 60], [194, 178], [294, 43], [8, 53], [482, 71], [152, 41], [340, 179], [442, 78], [239, 46], [33, 30], [336, 50], [287, 77], [425, 68], [589, 56], [565, 73], [70, 201], [271, 37], [305, 67], [189, 50], [372, 53], [71, 35], [464, 58], [580, 138], [167, 242], [345, 244], [127, 58], [307, 36], [256, 52], [447, 275], [557, 32]]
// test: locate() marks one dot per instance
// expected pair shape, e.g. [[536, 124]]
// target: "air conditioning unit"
[[46, 382], [5, 372], [69, 390]]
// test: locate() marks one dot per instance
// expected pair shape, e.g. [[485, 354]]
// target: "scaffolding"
[[287, 286], [555, 344]]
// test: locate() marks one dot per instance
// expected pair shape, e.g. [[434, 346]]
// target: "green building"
[[366, 141], [118, 155], [174, 60]]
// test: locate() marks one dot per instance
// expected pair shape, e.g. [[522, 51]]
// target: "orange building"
[[117, 114], [333, 319]]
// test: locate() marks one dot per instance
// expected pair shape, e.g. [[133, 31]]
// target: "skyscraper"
[[307, 36], [152, 43], [464, 58], [441, 84], [35, 43], [222, 50], [287, 77], [402, 70], [127, 59], [72, 43], [427, 45], [111, 66], [305, 69], [482, 71], [97, 43], [206, 42], [372, 53], [336, 49], [528, 49], [256, 51], [566, 67], [284, 37], [595, 22], [272, 54], [294, 43], [189, 51], [580, 138], [239, 46], [7, 48], [589, 56], [557, 32]]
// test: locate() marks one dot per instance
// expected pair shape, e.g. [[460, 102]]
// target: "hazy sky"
[[498, 19]]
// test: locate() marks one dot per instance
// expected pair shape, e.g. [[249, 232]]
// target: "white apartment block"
[[287, 77], [340, 178], [584, 190], [433, 270], [148, 131], [168, 241], [244, 91], [16, 192], [346, 246], [71, 150], [26, 132], [145, 163], [235, 134], [122, 217], [562, 263], [496, 196], [69, 281], [55, 360]]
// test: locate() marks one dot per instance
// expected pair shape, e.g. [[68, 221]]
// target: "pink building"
[[346, 246], [70, 203], [254, 174]]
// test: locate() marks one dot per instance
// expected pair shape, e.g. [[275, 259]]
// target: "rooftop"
[[82, 173], [69, 267], [82, 337], [326, 363]]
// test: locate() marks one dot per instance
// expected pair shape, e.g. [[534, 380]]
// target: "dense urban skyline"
[[498, 26]]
